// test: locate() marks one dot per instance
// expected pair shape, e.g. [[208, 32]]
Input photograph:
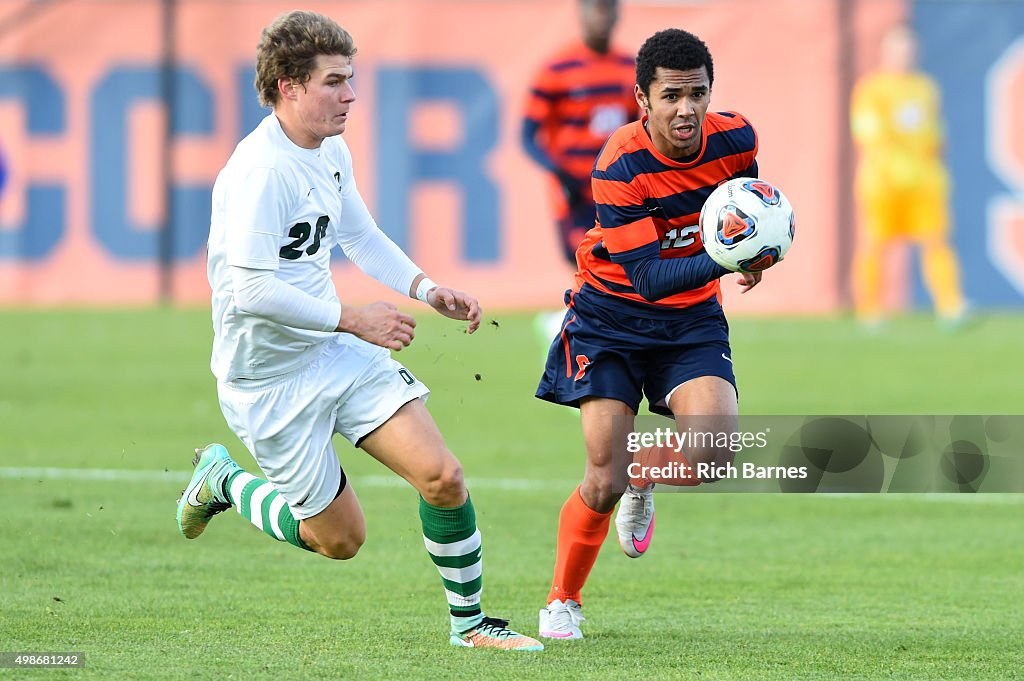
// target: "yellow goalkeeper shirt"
[[896, 122]]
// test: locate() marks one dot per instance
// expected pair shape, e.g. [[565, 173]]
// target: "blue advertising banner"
[[975, 48]]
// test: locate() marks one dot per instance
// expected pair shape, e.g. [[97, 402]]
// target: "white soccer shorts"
[[287, 422]]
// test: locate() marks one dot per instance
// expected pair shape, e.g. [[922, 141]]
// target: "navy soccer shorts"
[[612, 348]]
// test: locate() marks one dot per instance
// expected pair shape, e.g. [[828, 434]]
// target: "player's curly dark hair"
[[674, 49], [289, 47]]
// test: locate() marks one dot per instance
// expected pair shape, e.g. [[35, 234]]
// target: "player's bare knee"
[[343, 548], [446, 487], [340, 551]]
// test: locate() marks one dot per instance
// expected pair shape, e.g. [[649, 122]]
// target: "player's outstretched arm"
[[378, 323], [654, 278]]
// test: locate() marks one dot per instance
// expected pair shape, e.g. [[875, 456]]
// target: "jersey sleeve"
[[355, 216], [748, 145], [866, 123], [256, 212], [749, 171], [541, 99], [364, 243], [935, 129]]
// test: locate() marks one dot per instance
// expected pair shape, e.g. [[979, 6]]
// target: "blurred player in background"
[[902, 185], [644, 316], [582, 95], [294, 366]]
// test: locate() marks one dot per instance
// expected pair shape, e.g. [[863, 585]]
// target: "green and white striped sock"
[[256, 500], [453, 542]]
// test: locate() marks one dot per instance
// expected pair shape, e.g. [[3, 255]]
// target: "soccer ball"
[[747, 225]]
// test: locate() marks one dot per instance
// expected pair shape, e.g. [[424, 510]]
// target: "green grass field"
[[735, 587]]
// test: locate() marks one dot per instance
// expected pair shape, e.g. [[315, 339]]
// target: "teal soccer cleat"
[[494, 633], [204, 497]]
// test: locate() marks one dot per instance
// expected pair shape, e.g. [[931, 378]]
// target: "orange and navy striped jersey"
[[577, 100], [648, 205]]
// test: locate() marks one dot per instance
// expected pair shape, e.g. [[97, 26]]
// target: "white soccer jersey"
[[277, 206]]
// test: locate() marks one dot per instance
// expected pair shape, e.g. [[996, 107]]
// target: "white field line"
[[504, 484], [181, 477]]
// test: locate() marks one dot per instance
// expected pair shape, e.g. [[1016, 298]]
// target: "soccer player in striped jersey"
[[294, 366], [582, 94], [644, 316]]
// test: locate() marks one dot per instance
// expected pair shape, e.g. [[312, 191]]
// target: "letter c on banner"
[[46, 205]]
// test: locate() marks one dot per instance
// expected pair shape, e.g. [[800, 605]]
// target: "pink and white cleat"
[[635, 520], [561, 619]]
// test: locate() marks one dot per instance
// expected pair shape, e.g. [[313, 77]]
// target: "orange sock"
[[581, 531]]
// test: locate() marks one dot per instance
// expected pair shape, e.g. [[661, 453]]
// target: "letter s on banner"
[[1004, 143]]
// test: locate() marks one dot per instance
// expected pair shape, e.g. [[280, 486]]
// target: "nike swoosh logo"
[[642, 544], [727, 358], [192, 498], [556, 634]]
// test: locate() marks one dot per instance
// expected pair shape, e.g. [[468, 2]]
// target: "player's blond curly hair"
[[289, 47]]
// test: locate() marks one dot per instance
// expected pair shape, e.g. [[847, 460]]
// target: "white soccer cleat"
[[561, 619], [634, 522]]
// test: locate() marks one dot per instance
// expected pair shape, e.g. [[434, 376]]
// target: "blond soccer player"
[[294, 365]]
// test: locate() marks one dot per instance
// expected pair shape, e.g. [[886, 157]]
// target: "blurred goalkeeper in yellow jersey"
[[902, 185]]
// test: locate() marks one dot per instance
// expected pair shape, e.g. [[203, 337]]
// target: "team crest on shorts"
[[582, 361]]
